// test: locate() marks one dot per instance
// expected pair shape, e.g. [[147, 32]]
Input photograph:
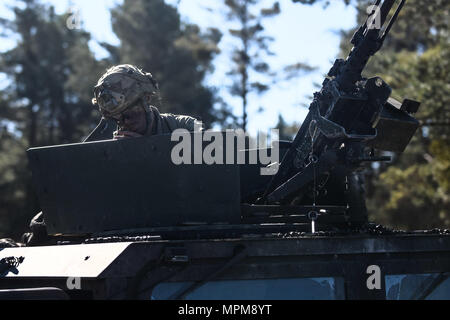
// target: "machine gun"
[[349, 118], [317, 179]]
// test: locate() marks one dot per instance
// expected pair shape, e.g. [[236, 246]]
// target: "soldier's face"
[[133, 119]]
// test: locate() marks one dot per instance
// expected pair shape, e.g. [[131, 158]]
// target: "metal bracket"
[[332, 130], [176, 255], [325, 163], [10, 263]]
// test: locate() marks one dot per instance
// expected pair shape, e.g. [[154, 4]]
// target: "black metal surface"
[[197, 232], [239, 255], [299, 245], [326, 216], [282, 256], [10, 264], [253, 183], [345, 257], [133, 183], [103, 131], [395, 127], [33, 294], [367, 42], [298, 181], [410, 106]]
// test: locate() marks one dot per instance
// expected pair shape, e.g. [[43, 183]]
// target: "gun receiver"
[[347, 117], [367, 41]]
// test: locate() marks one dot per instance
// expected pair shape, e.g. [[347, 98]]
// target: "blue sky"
[[302, 34]]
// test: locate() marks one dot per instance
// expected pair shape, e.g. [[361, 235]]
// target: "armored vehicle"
[[154, 218]]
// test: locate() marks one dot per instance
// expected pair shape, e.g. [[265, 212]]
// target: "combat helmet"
[[120, 88]]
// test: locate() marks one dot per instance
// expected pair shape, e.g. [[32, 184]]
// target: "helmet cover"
[[120, 88]]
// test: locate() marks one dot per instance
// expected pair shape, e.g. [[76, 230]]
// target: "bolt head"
[[379, 82]]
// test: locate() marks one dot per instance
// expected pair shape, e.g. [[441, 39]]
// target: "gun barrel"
[[367, 44], [385, 9], [391, 22]]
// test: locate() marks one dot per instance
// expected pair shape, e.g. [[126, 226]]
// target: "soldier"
[[124, 95]]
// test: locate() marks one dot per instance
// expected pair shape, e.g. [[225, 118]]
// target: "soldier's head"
[[123, 93]]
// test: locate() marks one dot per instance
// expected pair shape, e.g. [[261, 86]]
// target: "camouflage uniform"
[[167, 122], [120, 88]]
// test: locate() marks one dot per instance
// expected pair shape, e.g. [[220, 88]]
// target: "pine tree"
[[51, 72], [249, 56]]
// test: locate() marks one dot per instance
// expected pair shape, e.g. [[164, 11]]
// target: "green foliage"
[[13, 176], [248, 55], [51, 72], [415, 200], [441, 166]]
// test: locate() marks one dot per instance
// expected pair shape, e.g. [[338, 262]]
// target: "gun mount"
[[349, 118]]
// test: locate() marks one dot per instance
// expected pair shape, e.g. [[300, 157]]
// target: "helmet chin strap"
[[151, 119]]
